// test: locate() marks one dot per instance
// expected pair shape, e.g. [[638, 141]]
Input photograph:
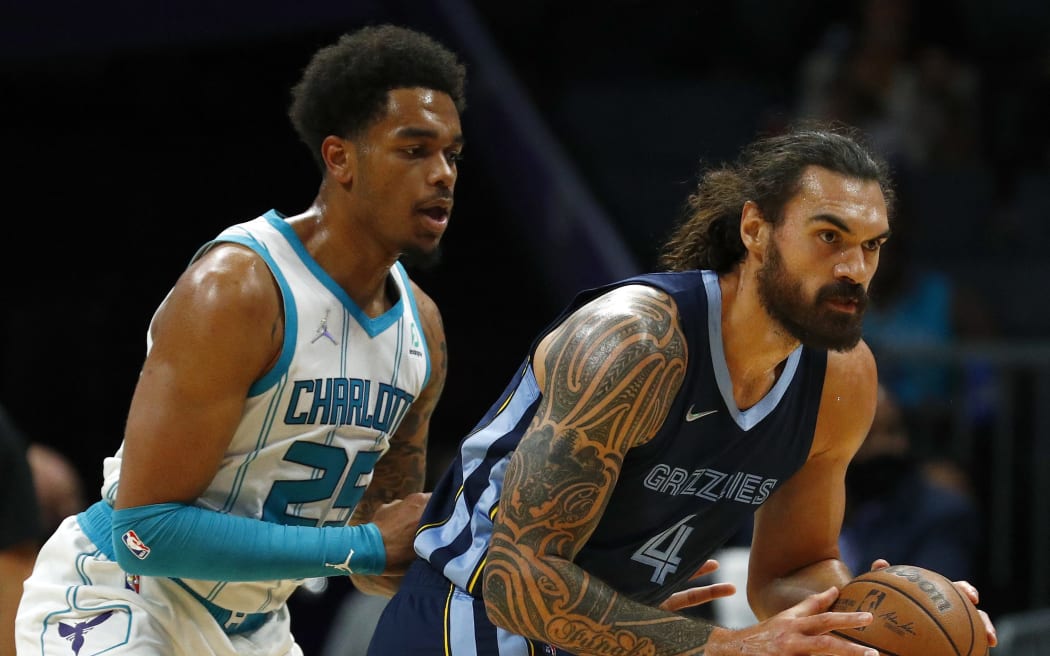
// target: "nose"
[[853, 266], [443, 173]]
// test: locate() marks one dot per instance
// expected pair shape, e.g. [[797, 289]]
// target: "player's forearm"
[[383, 489], [555, 601], [768, 599], [188, 542], [400, 472]]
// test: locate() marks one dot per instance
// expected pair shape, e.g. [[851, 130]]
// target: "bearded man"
[[654, 417]]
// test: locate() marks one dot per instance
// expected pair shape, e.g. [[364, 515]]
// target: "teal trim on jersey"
[[415, 314], [291, 318], [83, 558], [243, 622], [400, 351], [344, 345], [371, 326], [176, 540]]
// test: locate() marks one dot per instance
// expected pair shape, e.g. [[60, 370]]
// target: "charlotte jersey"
[[679, 497], [315, 425]]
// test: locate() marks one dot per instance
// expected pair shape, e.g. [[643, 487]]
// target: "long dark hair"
[[767, 172]]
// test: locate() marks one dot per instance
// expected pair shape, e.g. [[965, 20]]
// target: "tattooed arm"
[[402, 469], [609, 374]]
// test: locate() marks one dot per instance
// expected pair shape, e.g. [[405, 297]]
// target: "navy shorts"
[[429, 616]]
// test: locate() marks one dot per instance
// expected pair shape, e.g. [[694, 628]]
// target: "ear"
[[754, 229], [338, 156]]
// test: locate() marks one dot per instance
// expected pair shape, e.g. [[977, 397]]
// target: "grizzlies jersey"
[[314, 426], [679, 497]]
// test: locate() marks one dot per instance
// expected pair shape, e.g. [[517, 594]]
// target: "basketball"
[[917, 612]]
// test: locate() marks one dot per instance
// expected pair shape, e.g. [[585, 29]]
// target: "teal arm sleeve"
[[173, 539]]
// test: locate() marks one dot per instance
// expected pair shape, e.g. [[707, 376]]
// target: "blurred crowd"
[[957, 98]]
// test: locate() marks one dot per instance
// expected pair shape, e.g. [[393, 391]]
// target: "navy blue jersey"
[[680, 496]]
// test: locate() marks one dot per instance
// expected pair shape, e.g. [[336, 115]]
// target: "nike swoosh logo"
[[693, 416]]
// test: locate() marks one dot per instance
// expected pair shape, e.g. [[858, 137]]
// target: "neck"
[[358, 266], [755, 345]]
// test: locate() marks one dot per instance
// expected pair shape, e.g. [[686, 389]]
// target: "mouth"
[[436, 213], [847, 305]]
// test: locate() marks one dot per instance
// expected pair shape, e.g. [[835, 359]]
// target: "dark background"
[[133, 132]]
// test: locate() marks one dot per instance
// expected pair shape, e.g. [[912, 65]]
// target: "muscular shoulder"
[[230, 275], [624, 314], [626, 343], [848, 400], [647, 307], [853, 371], [226, 301]]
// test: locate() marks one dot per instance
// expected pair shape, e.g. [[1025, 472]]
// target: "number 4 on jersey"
[[661, 551]]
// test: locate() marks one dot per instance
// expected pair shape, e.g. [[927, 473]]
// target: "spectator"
[[899, 510], [917, 306], [19, 527], [918, 101], [59, 490]]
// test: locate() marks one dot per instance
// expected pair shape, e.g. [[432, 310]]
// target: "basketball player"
[[290, 376], [654, 416]]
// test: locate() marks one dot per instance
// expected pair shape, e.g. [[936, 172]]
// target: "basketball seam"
[[969, 618], [921, 607]]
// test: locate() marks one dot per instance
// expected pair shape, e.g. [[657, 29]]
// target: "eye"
[[454, 157], [413, 151], [828, 236], [873, 245]]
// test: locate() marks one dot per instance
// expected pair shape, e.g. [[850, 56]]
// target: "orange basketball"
[[917, 612]]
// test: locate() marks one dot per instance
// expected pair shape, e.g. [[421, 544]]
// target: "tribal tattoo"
[[609, 376]]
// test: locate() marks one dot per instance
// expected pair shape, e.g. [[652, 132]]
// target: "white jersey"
[[313, 427]]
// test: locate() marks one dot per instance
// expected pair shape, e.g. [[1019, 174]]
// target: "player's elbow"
[[500, 601], [507, 602]]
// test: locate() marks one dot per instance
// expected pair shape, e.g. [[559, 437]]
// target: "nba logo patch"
[[132, 582], [87, 635], [135, 545]]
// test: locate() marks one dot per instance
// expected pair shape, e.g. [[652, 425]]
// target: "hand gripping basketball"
[[917, 612]]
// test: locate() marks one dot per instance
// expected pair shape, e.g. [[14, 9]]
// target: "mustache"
[[442, 194], [844, 292]]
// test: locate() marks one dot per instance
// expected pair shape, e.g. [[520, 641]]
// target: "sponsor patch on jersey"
[[416, 343], [135, 545]]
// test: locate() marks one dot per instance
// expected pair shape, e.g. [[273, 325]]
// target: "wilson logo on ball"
[[917, 612]]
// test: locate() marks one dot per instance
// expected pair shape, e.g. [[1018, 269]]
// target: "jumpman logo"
[[343, 566], [75, 633], [322, 330]]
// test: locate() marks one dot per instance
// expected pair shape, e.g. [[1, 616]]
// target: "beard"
[[812, 323]]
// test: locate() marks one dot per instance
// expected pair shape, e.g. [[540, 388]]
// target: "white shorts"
[[78, 602]]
